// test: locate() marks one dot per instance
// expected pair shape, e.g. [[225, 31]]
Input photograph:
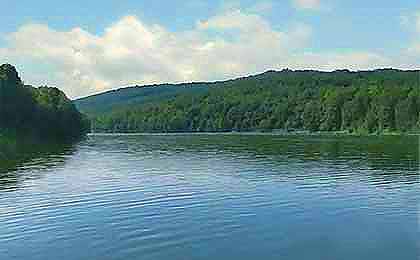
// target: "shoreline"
[[262, 133]]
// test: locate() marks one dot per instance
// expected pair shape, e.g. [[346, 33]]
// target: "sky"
[[87, 47]]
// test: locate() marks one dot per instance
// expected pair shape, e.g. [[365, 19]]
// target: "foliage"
[[115, 99], [360, 102], [45, 113]]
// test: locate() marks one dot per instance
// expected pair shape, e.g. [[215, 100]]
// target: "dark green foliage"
[[361, 102], [45, 113], [311, 116]]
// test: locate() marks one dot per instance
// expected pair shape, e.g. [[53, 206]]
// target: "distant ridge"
[[135, 95], [268, 72]]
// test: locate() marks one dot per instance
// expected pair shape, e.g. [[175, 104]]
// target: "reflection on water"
[[24, 158], [214, 197]]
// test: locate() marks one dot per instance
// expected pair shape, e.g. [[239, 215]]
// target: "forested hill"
[[120, 98], [43, 113], [363, 102]]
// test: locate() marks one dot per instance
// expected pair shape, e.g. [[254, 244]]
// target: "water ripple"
[[212, 197]]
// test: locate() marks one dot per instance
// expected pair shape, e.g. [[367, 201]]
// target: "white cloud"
[[307, 4], [232, 44]]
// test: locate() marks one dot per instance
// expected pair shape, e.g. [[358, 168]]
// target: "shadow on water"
[[18, 157], [377, 152], [381, 159], [386, 157]]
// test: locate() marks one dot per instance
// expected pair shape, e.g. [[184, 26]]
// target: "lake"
[[214, 196]]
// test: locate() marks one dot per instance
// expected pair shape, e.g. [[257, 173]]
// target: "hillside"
[[108, 101], [364, 102], [40, 113]]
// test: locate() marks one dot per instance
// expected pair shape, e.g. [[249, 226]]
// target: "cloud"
[[231, 44], [132, 52], [307, 4]]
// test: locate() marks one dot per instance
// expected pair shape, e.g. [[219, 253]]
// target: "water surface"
[[213, 197]]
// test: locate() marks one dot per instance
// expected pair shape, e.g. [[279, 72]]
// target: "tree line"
[[356, 102]]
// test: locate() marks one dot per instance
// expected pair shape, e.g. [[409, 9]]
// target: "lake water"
[[214, 197]]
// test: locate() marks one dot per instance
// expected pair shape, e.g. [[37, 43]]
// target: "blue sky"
[[86, 47]]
